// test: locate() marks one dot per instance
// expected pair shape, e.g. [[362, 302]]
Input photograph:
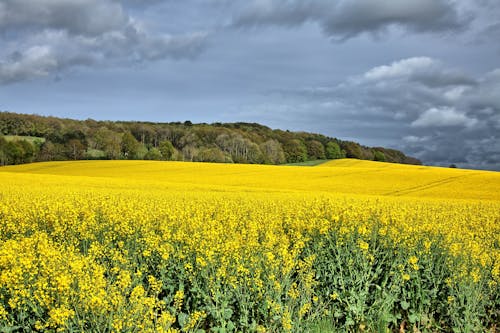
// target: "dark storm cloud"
[[349, 18], [45, 36]]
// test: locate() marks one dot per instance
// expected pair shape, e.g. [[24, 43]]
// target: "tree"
[[273, 152], [130, 146], [353, 150], [295, 151], [379, 156], [109, 142], [3, 156], [253, 155], [189, 153], [166, 149], [333, 151], [75, 149], [315, 150], [242, 150], [213, 155], [13, 152], [153, 154], [52, 152]]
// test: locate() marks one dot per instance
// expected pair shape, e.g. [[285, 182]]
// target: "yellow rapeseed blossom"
[[101, 239]]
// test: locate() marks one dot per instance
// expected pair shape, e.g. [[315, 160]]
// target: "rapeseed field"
[[133, 246]]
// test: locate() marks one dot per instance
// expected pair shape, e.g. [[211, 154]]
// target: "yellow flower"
[[363, 245]]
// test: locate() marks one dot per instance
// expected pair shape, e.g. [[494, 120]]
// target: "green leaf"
[[413, 318], [9, 329], [227, 313], [183, 318], [405, 305]]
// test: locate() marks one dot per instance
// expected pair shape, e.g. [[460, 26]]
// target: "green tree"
[[75, 149], [213, 155], [130, 146], [166, 149], [153, 154], [378, 156], [108, 141], [315, 150], [14, 153], [273, 152], [333, 151], [295, 151], [353, 150], [3, 156]]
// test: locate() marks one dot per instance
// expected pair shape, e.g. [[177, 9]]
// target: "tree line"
[[51, 138]]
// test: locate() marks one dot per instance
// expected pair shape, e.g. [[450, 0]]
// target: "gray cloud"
[[43, 37], [85, 17], [35, 61], [346, 19]]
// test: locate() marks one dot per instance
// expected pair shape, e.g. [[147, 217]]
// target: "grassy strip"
[[308, 163], [30, 139]]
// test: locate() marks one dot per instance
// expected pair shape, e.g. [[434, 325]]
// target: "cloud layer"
[[346, 19], [47, 36]]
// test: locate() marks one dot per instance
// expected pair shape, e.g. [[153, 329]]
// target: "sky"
[[420, 76]]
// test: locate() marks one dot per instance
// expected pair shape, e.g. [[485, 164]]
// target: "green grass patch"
[[95, 154], [308, 163], [30, 139]]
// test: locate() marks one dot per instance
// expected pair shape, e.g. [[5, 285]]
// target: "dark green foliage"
[[167, 150], [315, 150], [130, 146], [153, 154], [353, 150], [3, 156], [333, 151], [214, 155], [378, 156], [75, 149], [295, 151], [63, 139], [16, 151]]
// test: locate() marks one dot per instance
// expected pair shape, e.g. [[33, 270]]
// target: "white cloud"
[[425, 70], [443, 117], [415, 139], [402, 68]]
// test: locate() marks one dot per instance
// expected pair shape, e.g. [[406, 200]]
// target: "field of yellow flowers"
[[130, 246]]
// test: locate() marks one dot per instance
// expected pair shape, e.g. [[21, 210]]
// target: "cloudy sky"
[[421, 76]]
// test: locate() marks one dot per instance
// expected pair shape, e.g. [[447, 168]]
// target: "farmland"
[[200, 247]]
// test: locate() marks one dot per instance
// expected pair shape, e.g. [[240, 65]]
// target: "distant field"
[[347, 176], [31, 139], [347, 245]]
